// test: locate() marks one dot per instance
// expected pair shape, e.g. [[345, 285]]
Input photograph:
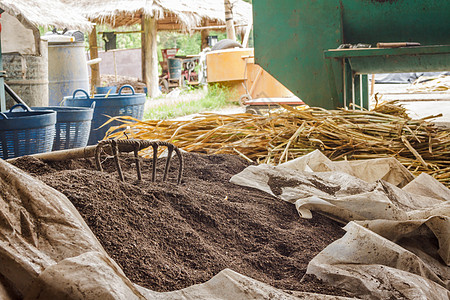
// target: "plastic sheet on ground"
[[387, 169], [48, 252], [399, 244], [427, 186], [366, 263], [231, 285]]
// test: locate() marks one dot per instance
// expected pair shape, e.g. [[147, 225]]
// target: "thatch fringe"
[[181, 14], [46, 13]]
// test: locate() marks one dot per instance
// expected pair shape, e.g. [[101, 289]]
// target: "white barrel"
[[67, 70]]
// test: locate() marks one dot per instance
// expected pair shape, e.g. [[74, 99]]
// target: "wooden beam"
[[121, 32], [211, 27], [204, 35], [93, 52], [150, 56]]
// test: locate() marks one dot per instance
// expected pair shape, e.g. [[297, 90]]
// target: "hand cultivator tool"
[[134, 145]]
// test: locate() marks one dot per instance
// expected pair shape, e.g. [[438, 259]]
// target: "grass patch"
[[217, 97]]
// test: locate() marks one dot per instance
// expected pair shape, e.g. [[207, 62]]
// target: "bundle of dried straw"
[[290, 133]]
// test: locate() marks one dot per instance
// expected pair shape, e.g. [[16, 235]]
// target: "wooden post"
[[204, 35], [142, 48], [93, 52], [229, 20], [115, 64], [247, 33], [150, 56]]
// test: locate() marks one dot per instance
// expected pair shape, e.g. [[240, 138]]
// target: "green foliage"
[[188, 44], [44, 29], [217, 97]]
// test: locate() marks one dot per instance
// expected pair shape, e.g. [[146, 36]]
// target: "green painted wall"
[[290, 37]]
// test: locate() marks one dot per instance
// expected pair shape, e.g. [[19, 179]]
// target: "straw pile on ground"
[[290, 133], [427, 84]]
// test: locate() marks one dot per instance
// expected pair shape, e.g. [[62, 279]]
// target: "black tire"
[[225, 44]]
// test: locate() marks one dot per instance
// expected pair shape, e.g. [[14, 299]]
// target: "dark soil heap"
[[167, 236]]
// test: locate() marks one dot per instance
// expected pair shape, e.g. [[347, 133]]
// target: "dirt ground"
[[167, 236]]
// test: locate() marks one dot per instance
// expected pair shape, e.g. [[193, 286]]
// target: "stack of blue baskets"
[[108, 106], [77, 124], [43, 129], [26, 132]]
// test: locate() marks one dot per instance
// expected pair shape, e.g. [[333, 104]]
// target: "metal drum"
[[27, 75], [105, 107], [175, 65], [67, 70]]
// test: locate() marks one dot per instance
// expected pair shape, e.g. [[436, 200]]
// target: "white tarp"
[[340, 195], [366, 263], [44, 242], [231, 285], [387, 169], [401, 242]]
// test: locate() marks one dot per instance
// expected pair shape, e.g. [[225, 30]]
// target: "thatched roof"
[[45, 13], [171, 14]]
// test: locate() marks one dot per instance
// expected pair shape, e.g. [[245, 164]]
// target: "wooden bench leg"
[[357, 91], [348, 84]]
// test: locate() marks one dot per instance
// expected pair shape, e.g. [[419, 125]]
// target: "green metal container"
[[292, 36], [175, 68], [372, 21]]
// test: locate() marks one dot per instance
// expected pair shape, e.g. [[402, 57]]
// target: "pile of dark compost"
[[167, 236]]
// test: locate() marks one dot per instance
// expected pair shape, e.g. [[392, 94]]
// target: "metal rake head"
[[135, 145]]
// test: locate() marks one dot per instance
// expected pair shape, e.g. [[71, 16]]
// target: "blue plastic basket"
[[26, 132], [114, 105], [73, 125]]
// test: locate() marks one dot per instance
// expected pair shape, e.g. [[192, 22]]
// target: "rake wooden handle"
[[397, 45], [85, 152]]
